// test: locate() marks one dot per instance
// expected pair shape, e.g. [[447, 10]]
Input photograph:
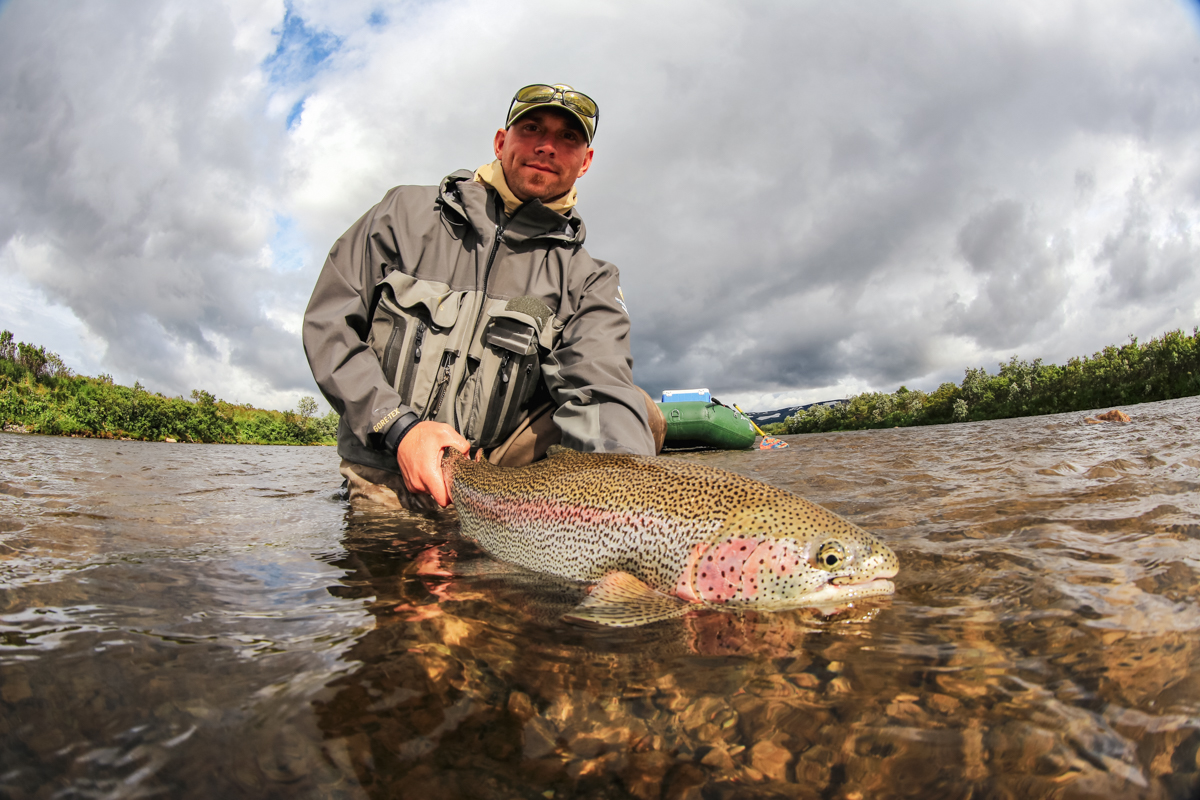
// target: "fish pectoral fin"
[[620, 600]]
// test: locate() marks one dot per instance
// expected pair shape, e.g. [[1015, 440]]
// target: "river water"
[[197, 621]]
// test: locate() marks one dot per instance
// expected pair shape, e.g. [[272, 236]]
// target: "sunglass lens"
[[581, 103], [535, 94]]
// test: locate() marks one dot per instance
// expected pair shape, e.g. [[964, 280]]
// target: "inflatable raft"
[[694, 419]]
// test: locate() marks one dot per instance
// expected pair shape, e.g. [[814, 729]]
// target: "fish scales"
[[680, 532], [574, 524], [594, 509]]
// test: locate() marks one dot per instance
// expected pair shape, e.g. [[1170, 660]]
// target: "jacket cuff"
[[390, 441]]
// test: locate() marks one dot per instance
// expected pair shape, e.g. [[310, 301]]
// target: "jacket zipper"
[[443, 380], [487, 272], [391, 353], [517, 394], [493, 408], [487, 269], [443, 383], [404, 387]]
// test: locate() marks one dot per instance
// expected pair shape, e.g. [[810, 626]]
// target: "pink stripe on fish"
[[501, 509]]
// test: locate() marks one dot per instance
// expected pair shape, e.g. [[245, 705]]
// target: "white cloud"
[[803, 198], [31, 317]]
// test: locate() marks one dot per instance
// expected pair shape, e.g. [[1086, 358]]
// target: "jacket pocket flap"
[[439, 301], [511, 333], [546, 333]]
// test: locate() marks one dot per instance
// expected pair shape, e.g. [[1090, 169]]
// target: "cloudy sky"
[[806, 199]]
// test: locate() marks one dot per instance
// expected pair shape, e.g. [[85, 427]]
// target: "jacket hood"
[[467, 201]]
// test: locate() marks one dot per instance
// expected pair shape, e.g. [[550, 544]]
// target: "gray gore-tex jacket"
[[437, 304]]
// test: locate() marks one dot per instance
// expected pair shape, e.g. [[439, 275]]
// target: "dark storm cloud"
[[1146, 268], [271, 355], [1022, 278], [826, 201]]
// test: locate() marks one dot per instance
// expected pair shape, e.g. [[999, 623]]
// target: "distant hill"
[[780, 414]]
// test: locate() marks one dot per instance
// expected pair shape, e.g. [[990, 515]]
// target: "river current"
[[199, 621]]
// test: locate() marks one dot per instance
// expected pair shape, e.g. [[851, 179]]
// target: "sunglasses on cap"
[[562, 95]]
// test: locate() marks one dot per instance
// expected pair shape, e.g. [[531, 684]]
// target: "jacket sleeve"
[[590, 373], [336, 325]]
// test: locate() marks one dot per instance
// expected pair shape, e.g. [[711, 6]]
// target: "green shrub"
[[1161, 369], [38, 391]]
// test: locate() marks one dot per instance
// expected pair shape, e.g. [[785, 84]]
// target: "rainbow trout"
[[658, 536]]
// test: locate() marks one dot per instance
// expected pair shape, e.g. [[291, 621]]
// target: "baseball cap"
[[582, 107]]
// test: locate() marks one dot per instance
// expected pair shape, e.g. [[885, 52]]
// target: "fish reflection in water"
[[547, 601], [1042, 640]]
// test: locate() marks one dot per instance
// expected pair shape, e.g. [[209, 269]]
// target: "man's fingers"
[[420, 458], [439, 492]]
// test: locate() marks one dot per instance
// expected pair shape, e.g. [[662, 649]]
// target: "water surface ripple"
[[208, 620]]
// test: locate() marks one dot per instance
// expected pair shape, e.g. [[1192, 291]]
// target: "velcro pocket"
[[410, 330], [496, 397]]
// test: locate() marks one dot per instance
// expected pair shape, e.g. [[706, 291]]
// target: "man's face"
[[542, 154]]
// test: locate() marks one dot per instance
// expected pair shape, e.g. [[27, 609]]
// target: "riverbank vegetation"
[[40, 394], [1162, 369]]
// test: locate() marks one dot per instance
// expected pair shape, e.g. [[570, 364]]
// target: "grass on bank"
[[1162, 369], [39, 394]]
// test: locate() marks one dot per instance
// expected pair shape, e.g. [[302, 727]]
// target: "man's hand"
[[420, 458]]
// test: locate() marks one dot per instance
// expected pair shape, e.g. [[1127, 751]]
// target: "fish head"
[[788, 555]]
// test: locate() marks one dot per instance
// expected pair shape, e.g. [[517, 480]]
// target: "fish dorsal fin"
[[620, 600]]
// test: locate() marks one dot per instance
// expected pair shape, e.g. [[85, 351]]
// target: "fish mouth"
[[831, 595], [836, 592], [848, 582]]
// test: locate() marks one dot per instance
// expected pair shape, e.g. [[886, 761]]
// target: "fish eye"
[[831, 555]]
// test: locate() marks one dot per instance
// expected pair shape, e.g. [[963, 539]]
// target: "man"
[[469, 314]]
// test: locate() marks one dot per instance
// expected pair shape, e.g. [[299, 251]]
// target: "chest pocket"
[[413, 334], [497, 395]]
